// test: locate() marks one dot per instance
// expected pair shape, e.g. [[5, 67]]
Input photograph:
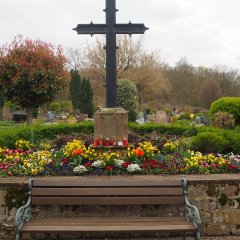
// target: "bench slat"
[[105, 220], [110, 228], [107, 191], [108, 224], [75, 182], [107, 200]]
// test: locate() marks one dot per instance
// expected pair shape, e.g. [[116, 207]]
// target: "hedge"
[[8, 136]]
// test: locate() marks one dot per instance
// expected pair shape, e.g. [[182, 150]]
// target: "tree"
[[144, 69], [86, 98], [127, 97], [32, 73], [75, 85], [1, 105]]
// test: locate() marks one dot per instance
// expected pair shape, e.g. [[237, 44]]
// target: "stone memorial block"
[[202, 120], [51, 116], [19, 116], [151, 118], [163, 117], [111, 123]]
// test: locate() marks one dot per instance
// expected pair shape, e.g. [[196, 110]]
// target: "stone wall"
[[216, 196]]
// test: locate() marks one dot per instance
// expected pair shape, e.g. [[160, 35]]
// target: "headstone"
[[141, 118], [163, 117], [19, 116], [81, 117], [111, 123], [202, 120], [151, 118], [51, 116]]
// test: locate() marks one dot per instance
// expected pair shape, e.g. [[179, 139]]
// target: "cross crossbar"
[[111, 29]]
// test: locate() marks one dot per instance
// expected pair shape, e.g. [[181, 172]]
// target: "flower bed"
[[75, 158]]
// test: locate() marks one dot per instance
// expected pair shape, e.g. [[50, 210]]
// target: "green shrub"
[[223, 120], [54, 106], [227, 104], [184, 116], [127, 97], [66, 106], [209, 142], [36, 133], [171, 129]]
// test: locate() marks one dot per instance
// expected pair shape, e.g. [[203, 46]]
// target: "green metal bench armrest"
[[24, 213]]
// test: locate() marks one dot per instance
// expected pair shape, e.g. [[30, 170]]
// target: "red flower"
[[65, 161], [139, 152], [126, 164], [88, 164], [77, 152], [109, 168]]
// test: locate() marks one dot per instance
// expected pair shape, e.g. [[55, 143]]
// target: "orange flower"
[[139, 152], [77, 152]]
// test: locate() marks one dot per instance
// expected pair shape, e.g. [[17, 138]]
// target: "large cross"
[[111, 29]]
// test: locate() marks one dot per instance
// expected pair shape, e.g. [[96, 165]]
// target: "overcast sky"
[[206, 32]]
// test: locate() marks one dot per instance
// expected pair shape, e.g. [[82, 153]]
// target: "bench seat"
[[109, 225]]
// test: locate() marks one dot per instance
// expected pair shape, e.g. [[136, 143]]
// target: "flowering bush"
[[75, 159]]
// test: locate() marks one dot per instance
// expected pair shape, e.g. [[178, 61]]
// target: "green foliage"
[[223, 120], [210, 142], [66, 106], [11, 106], [184, 116], [127, 97], [75, 86], [54, 106], [227, 104], [36, 133], [86, 98], [170, 129]]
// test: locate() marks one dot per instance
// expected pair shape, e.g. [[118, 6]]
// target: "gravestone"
[[111, 123], [202, 120], [19, 116], [51, 116], [151, 118], [163, 117]]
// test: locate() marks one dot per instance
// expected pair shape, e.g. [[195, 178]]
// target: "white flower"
[[98, 163], [119, 162], [133, 168], [80, 169]]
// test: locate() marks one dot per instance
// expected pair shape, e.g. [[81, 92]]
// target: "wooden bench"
[[77, 193]]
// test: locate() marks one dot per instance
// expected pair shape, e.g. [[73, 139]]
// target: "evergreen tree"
[[75, 85], [127, 97], [86, 98]]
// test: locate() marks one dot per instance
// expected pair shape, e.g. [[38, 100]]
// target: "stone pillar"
[[111, 122]]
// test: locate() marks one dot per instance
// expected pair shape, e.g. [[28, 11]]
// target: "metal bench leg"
[[184, 236], [197, 235]]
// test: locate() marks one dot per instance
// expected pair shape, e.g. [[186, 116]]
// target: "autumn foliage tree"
[[32, 73]]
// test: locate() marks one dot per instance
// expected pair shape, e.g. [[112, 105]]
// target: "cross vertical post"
[[111, 29], [111, 64]]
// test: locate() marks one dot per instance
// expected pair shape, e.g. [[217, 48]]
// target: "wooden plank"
[[104, 220], [101, 229], [107, 200], [163, 191], [98, 183]]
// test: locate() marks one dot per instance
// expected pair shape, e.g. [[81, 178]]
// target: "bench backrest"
[[77, 192]]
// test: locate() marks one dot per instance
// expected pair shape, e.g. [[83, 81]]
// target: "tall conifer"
[[86, 98], [75, 86]]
